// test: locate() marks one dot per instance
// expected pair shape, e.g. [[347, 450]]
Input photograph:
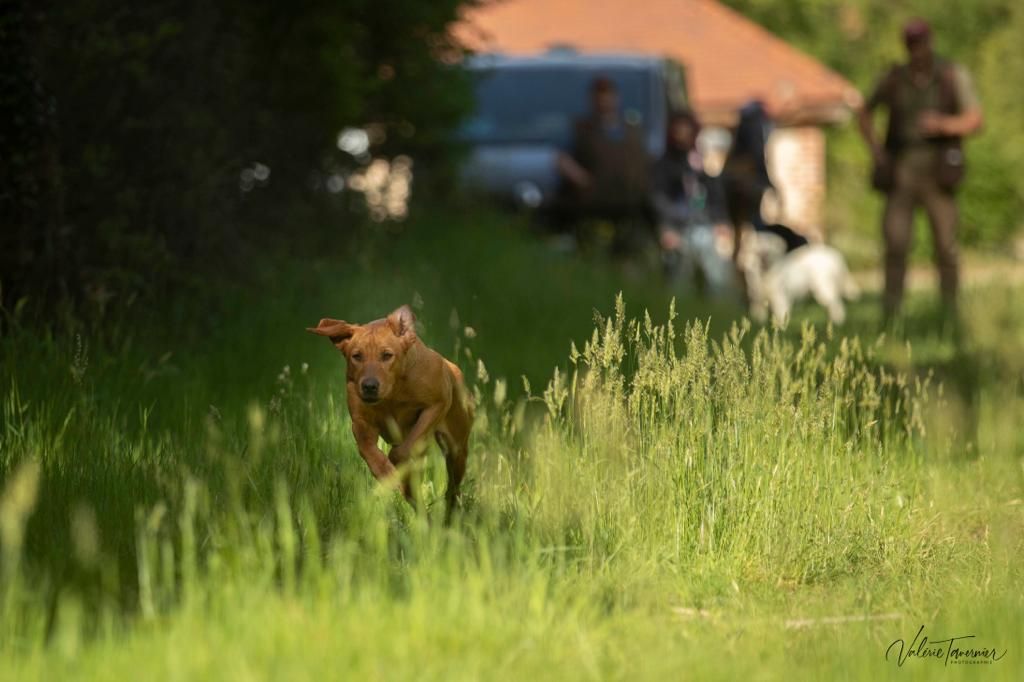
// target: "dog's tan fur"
[[419, 395]]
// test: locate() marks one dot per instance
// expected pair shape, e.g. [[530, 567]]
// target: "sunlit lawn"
[[183, 499]]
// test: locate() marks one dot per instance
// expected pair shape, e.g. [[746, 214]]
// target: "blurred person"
[[931, 107], [606, 167], [745, 176], [688, 206], [745, 172]]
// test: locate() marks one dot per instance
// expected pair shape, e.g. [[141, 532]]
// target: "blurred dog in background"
[[781, 272]]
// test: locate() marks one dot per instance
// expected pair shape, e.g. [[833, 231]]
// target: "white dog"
[[776, 280]]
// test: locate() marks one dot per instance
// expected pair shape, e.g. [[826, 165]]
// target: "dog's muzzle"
[[369, 390]]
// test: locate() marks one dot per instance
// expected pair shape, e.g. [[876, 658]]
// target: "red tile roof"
[[729, 59]]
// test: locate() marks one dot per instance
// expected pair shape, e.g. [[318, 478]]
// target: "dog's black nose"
[[369, 387]]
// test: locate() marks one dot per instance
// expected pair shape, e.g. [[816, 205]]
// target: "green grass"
[[182, 498]]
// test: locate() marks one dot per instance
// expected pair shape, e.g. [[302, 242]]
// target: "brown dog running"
[[405, 392]]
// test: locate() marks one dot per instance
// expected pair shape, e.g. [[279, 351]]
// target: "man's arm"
[[934, 124], [967, 122], [570, 169], [866, 118], [572, 164], [866, 123]]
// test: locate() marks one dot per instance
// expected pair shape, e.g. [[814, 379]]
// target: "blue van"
[[525, 108]]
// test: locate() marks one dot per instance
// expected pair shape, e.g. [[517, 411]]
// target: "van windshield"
[[539, 104]]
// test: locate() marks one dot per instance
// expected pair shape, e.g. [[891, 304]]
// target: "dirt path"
[[976, 271]]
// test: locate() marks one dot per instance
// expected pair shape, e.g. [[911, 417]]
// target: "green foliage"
[[859, 38], [158, 106]]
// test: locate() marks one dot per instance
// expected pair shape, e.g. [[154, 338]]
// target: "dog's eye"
[[357, 356], [386, 355]]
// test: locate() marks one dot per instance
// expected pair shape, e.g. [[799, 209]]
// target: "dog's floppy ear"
[[338, 331], [402, 321]]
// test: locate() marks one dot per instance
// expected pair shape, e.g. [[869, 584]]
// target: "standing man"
[[932, 107], [607, 166]]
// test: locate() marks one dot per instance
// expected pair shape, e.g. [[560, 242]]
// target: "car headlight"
[[528, 195]]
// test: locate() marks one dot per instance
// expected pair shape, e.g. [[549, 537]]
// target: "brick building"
[[729, 61]]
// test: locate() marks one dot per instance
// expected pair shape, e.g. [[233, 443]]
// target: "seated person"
[[688, 204]]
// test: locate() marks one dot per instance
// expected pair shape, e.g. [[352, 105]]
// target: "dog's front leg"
[[412, 446], [780, 306], [415, 442], [366, 441]]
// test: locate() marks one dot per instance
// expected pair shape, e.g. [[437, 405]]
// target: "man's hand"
[[670, 240], [933, 124], [573, 171]]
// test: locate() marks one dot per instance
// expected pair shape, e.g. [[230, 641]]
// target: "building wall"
[[796, 162]]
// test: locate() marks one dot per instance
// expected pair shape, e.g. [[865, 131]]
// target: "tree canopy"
[[130, 124]]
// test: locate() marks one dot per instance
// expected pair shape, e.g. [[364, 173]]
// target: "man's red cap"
[[916, 29]]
